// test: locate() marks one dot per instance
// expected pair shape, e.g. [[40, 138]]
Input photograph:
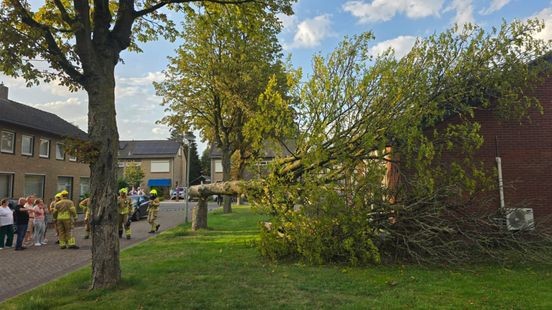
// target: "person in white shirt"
[[6, 225]]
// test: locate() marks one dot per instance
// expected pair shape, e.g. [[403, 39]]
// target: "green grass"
[[220, 268]]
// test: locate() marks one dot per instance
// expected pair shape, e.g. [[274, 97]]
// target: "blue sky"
[[317, 27]]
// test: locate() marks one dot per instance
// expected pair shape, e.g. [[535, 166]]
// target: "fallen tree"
[[345, 195]]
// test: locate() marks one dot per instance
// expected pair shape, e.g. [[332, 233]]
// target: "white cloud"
[[464, 11], [72, 110], [384, 10], [401, 45], [546, 16], [311, 32], [289, 22], [495, 6]]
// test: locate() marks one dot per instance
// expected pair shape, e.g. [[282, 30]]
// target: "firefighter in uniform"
[[85, 205], [124, 204], [66, 214], [152, 211], [51, 209]]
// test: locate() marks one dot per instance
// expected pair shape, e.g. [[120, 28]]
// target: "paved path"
[[21, 271]]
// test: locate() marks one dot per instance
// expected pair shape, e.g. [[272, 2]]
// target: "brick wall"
[[526, 152]]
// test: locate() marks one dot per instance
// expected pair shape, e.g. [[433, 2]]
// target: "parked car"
[[140, 204], [181, 191]]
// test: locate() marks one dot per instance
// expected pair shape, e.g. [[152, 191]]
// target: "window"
[[84, 187], [218, 165], [6, 183], [72, 158], [65, 183], [34, 185], [60, 152], [27, 145], [44, 149], [7, 142], [160, 166]]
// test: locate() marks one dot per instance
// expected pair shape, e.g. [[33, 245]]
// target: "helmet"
[[64, 193], [123, 190], [153, 192], [58, 195]]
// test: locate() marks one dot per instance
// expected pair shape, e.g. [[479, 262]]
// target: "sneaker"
[[44, 243], [37, 244], [157, 227], [74, 247], [63, 247]]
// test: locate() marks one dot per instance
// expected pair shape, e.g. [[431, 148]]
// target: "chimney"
[[3, 91]]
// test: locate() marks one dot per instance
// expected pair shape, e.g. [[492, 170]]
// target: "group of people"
[[29, 218]]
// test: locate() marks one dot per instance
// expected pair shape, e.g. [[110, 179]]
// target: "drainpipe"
[[500, 180]]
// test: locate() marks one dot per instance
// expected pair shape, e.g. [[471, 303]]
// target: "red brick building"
[[525, 150]]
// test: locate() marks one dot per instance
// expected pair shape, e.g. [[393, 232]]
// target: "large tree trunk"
[[226, 170], [102, 127]]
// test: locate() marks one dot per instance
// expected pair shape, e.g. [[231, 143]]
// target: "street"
[[23, 270]]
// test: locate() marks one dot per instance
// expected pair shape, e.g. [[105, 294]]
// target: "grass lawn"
[[220, 268]]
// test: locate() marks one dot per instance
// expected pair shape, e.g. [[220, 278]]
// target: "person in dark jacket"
[[21, 219]]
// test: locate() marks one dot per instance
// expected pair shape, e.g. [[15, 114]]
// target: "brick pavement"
[[21, 271]]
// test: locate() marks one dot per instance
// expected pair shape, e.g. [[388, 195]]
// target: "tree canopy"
[[227, 59]]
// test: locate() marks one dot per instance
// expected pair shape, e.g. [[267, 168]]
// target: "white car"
[[181, 191]]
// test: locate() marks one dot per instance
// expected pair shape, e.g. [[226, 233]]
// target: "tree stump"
[[199, 214]]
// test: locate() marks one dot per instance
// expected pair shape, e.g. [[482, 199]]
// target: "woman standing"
[[6, 224], [29, 205], [39, 223]]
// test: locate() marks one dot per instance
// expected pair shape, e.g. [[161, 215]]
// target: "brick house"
[[32, 157], [257, 170], [525, 151], [162, 161]]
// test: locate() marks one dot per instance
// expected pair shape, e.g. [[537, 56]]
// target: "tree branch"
[[57, 56], [123, 25], [161, 4], [64, 15]]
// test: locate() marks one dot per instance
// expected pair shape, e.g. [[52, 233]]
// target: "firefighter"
[[152, 211], [124, 204], [65, 214], [51, 209], [85, 205]]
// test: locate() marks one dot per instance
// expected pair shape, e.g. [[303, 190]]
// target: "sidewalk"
[[21, 271]]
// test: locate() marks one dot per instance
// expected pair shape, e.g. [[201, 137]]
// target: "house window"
[[84, 187], [7, 142], [34, 185], [44, 149], [27, 145], [72, 158], [60, 152], [160, 166], [6, 184], [65, 183], [218, 165]]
